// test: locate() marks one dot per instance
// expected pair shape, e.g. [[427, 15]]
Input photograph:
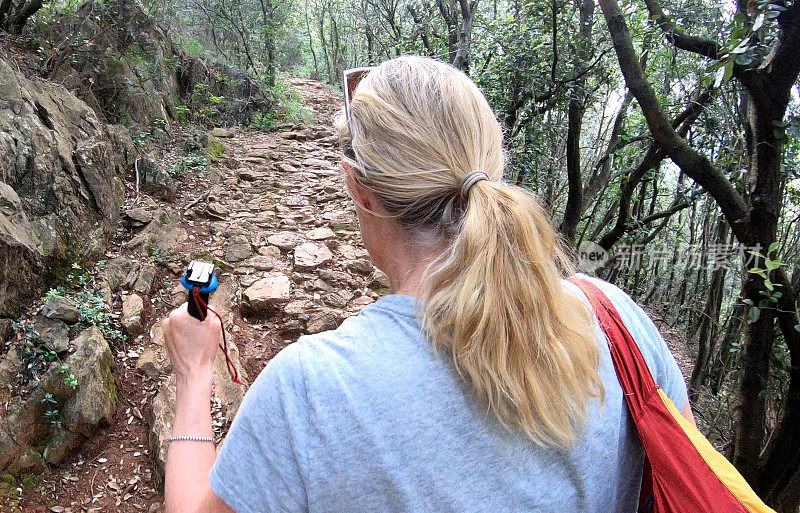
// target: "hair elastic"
[[471, 179]]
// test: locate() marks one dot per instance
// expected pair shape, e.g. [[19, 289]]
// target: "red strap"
[[634, 375], [680, 480], [632, 371], [232, 370]]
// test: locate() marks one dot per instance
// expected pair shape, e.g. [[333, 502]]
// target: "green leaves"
[[753, 315], [759, 21]]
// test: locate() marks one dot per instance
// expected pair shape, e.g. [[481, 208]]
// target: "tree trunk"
[[709, 323], [22, 14], [577, 108], [464, 37]]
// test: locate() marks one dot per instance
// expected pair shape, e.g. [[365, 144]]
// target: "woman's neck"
[[408, 267]]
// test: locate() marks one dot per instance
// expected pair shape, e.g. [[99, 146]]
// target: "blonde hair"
[[494, 298]]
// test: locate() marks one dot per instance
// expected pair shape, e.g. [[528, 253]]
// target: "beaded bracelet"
[[190, 439]]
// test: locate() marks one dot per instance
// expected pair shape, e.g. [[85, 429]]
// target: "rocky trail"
[[274, 216]]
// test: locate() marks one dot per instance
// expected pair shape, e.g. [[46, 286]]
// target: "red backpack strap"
[[632, 371]]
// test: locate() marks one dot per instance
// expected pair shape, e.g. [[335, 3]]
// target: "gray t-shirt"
[[368, 417]]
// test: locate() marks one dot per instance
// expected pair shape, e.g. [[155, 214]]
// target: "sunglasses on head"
[[352, 77]]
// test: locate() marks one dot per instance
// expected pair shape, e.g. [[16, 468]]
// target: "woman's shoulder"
[[654, 348], [373, 333]]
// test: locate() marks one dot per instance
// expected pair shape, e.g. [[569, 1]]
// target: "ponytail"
[[494, 298], [496, 302]]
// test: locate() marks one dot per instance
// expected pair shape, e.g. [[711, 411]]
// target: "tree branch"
[[699, 45], [693, 163]]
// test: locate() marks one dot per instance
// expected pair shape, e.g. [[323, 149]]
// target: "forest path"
[[274, 216]]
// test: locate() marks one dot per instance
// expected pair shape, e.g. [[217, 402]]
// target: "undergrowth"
[[289, 109]]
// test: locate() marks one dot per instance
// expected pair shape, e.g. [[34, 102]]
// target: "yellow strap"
[[723, 468]]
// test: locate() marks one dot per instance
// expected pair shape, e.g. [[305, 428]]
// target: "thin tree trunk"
[[709, 323]]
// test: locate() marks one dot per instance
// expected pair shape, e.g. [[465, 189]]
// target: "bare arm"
[[192, 347], [687, 413]]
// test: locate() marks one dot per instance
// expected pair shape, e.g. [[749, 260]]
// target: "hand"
[[192, 345]]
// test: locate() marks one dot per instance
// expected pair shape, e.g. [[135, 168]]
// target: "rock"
[[259, 154], [322, 320], [285, 240], [61, 190], [379, 282], [223, 133], [296, 200], [318, 285], [300, 307], [320, 233], [29, 462], [246, 175], [155, 180], [291, 327], [63, 166], [272, 252], [338, 278], [121, 273], [361, 266], [96, 394], [10, 366], [162, 414], [138, 217], [20, 249], [339, 298], [310, 255], [298, 136], [260, 263], [95, 397], [153, 362], [132, 309], [361, 301], [5, 330], [162, 236], [352, 253], [80, 410], [266, 294], [238, 249], [216, 210], [62, 309], [144, 279], [286, 167], [54, 333]]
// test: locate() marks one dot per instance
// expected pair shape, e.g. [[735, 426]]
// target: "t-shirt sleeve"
[[260, 467], [659, 358]]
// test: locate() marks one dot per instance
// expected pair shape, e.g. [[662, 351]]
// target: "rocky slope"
[[123, 64], [275, 218], [60, 184]]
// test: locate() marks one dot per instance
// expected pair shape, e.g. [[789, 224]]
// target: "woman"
[[482, 383]]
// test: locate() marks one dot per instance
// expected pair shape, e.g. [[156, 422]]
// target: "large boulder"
[[60, 186], [162, 236], [24, 423], [266, 295]]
